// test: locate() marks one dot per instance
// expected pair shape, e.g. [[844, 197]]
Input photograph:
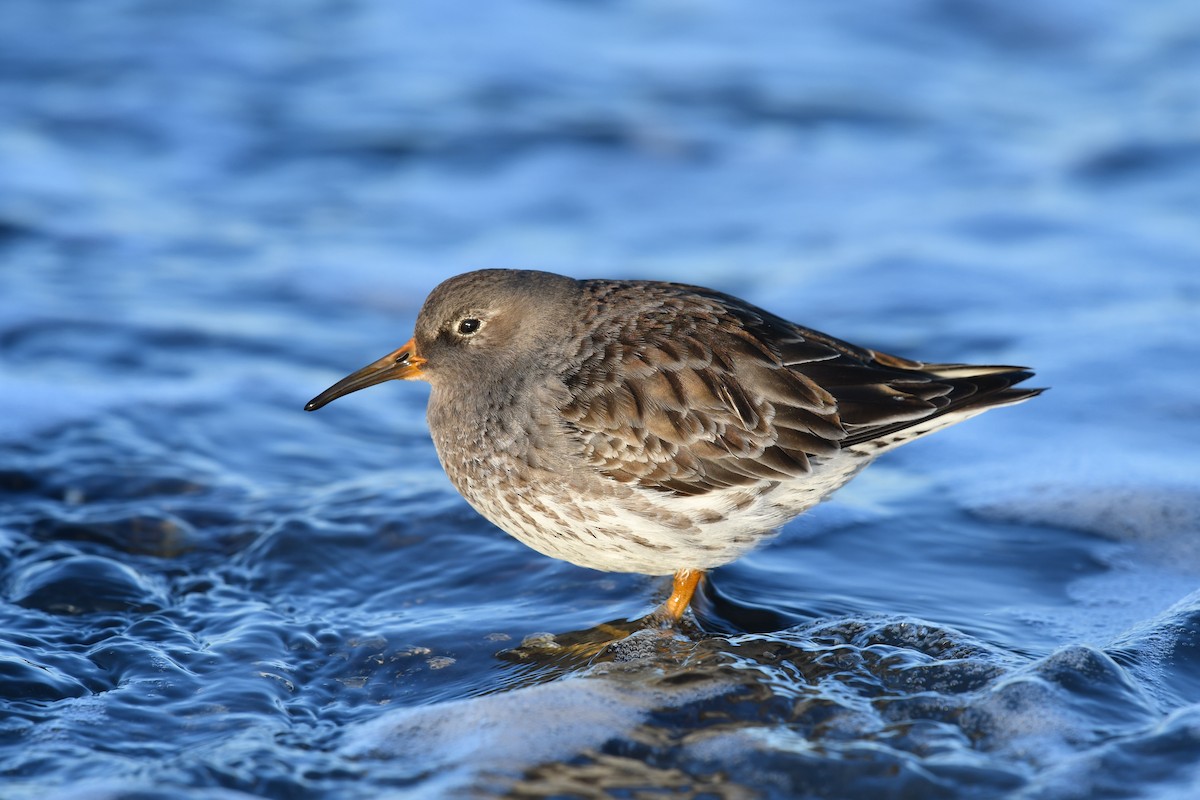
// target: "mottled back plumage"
[[696, 390]]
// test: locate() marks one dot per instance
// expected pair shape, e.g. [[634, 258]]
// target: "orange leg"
[[686, 581]]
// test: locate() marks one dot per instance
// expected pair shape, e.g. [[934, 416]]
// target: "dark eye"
[[469, 326]]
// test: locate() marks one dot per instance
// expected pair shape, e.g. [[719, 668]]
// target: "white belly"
[[615, 527]]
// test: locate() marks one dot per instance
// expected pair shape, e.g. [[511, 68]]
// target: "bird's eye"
[[469, 326]]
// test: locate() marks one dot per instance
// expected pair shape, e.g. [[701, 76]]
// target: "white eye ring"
[[469, 326]]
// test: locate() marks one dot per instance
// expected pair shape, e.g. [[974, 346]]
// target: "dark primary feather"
[[700, 391]]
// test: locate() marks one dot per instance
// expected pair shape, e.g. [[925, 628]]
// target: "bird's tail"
[[973, 390]]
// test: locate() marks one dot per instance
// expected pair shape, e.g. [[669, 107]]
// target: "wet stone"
[[22, 679], [147, 534], [17, 481], [84, 585]]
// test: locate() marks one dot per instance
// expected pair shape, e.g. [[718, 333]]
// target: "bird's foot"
[[683, 588]]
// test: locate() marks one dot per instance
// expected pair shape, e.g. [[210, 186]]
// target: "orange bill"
[[403, 364]]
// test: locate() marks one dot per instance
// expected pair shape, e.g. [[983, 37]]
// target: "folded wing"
[[702, 391]]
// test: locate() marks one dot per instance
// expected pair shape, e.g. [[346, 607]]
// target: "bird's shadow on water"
[[718, 612]]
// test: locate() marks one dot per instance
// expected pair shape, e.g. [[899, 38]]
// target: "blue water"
[[209, 212]]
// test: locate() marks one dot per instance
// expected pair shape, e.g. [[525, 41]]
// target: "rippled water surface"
[[209, 212]]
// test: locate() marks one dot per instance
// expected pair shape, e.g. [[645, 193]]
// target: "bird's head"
[[481, 323]]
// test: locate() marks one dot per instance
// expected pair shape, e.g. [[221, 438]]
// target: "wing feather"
[[685, 390]]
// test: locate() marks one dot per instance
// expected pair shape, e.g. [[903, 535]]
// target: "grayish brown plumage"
[[640, 426]]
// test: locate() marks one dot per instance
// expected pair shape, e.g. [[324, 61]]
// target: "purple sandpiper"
[[656, 428]]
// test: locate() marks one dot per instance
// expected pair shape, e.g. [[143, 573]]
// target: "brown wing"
[[685, 390]]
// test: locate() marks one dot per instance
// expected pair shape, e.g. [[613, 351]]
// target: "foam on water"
[[483, 739]]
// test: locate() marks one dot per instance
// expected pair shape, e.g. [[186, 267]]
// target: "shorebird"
[[651, 427]]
